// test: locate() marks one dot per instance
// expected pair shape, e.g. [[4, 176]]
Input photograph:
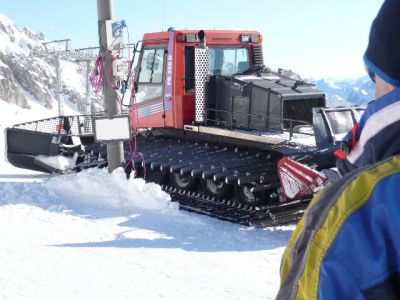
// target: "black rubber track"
[[209, 161]]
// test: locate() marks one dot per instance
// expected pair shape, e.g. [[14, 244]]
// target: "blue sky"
[[315, 38]]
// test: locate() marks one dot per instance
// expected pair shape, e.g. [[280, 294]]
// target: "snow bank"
[[89, 188], [110, 190]]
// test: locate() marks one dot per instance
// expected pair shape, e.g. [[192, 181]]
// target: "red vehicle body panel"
[[180, 109]]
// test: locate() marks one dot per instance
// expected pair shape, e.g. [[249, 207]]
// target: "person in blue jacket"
[[347, 245]]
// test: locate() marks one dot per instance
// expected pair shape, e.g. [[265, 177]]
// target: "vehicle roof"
[[212, 36]]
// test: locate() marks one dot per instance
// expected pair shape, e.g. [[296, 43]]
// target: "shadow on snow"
[[173, 229]]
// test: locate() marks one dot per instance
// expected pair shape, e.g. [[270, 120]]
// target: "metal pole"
[[115, 153], [87, 98], [58, 87]]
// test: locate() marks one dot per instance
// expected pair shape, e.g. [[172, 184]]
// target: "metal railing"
[[264, 123], [69, 125]]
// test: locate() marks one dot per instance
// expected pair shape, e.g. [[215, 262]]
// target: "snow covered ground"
[[95, 235]]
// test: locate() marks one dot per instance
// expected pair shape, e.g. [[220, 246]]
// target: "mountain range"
[[347, 92], [25, 77]]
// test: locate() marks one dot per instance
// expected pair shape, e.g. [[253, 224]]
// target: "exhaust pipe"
[[202, 39], [201, 74]]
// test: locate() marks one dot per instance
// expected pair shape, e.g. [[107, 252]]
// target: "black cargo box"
[[262, 102]]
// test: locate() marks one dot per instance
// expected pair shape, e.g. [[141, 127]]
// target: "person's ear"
[[382, 87]]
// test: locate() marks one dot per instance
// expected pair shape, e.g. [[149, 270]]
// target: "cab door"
[[148, 106]]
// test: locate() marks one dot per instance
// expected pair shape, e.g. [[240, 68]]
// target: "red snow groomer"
[[214, 123]]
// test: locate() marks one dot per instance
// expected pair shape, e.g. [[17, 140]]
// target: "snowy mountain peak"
[[341, 92], [25, 78], [16, 40], [6, 20], [347, 92]]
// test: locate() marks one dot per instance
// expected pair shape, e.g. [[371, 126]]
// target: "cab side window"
[[229, 61], [151, 74]]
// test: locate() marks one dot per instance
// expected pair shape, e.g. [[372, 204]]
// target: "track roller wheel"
[[246, 196], [156, 176], [213, 189], [186, 183]]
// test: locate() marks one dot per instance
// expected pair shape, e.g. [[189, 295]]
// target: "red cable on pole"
[[97, 82]]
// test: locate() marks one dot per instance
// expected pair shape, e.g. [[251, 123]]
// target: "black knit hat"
[[383, 53]]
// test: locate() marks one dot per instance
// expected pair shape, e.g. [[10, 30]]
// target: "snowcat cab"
[[167, 91]]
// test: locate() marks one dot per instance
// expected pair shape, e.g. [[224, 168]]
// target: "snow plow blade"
[[33, 145], [24, 146]]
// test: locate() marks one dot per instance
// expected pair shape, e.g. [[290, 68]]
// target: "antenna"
[[163, 17]]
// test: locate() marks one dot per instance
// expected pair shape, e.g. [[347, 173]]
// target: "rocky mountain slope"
[[25, 78]]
